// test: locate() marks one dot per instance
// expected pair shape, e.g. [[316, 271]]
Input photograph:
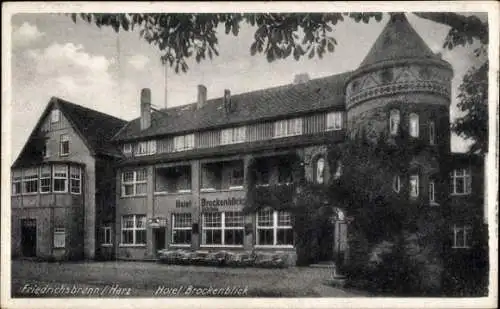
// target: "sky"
[[105, 71]]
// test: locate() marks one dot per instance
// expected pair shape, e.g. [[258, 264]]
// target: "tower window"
[[396, 184], [432, 192], [414, 186], [414, 125], [432, 132], [394, 120], [386, 76]]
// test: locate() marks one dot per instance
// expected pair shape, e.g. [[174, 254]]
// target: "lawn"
[[144, 278]]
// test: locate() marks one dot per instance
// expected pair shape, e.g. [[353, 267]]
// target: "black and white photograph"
[[253, 155]]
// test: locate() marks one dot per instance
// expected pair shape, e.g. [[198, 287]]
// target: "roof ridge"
[[257, 91], [66, 102]]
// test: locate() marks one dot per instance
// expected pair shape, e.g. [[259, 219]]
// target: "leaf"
[[331, 47], [312, 53], [253, 48], [73, 17]]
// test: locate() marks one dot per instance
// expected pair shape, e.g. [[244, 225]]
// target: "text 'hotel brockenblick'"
[[88, 185]]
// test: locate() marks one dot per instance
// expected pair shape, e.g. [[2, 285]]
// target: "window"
[[386, 76], [285, 175], [223, 229], [236, 175], [181, 229], [233, 135], [54, 116], [414, 186], [75, 175], [127, 148], [461, 237], [45, 179], [106, 235], [461, 182], [396, 184], [212, 228], [288, 127], [146, 148], [46, 149], [59, 237], [184, 142], [274, 228], [394, 120], [134, 230], [414, 125], [334, 121], [432, 132], [211, 176], [60, 182], [319, 170], [16, 182], [64, 145], [262, 174], [134, 183], [432, 192], [30, 180], [173, 179], [338, 171]]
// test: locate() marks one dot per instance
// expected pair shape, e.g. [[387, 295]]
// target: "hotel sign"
[[215, 204]]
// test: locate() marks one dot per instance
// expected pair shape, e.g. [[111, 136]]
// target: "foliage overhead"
[[473, 99], [280, 35]]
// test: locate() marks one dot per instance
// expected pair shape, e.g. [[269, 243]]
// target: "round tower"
[[402, 85]]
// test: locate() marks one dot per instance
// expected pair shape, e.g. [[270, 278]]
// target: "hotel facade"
[[181, 175]]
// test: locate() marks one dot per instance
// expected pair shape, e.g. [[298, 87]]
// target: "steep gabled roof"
[[398, 41], [95, 128], [282, 101]]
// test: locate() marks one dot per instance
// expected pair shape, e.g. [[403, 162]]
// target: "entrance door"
[[28, 237], [159, 239]]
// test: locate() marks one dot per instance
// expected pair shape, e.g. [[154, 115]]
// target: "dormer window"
[[55, 116], [184, 142], [288, 127], [127, 148], [334, 121], [414, 125], [233, 135], [394, 120]]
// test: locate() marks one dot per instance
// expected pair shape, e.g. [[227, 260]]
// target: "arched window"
[[414, 185], [319, 170], [394, 120], [414, 125], [396, 184], [338, 171]]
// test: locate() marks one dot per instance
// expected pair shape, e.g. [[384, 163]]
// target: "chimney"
[[301, 78], [202, 95], [227, 100], [145, 108]]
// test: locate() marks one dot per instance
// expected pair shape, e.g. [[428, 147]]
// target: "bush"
[[398, 267]]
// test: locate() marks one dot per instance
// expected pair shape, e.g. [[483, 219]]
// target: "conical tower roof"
[[398, 41]]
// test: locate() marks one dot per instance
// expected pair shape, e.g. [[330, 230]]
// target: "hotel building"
[[178, 177]]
